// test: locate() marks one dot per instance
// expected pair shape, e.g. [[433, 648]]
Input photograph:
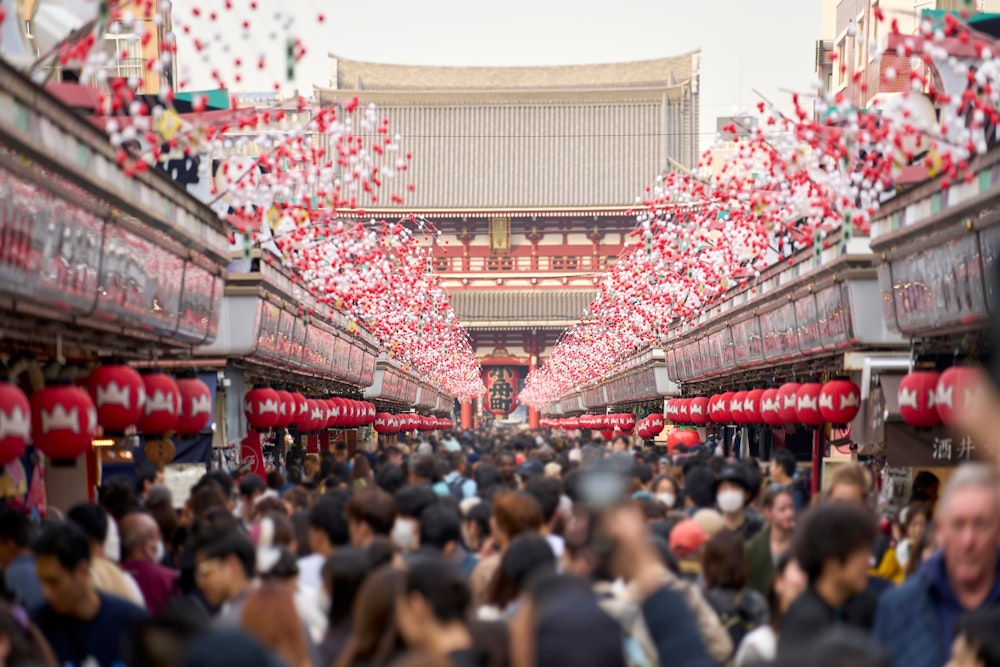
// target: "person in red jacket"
[[142, 547]]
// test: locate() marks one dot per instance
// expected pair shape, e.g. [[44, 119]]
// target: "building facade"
[[529, 174], [851, 56]]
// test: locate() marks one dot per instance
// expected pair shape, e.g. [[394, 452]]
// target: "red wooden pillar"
[[467, 414], [532, 363]]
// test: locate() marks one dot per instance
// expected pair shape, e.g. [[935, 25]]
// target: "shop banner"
[[931, 448], [501, 389], [251, 456]]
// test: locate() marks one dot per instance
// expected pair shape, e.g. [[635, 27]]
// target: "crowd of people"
[[520, 550]]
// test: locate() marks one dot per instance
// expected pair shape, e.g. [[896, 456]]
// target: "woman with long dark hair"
[[376, 641]]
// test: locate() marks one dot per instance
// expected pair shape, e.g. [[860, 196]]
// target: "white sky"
[[745, 44]]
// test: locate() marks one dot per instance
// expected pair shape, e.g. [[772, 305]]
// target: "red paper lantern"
[[918, 399], [367, 413], [571, 423], [288, 409], [839, 402], [642, 430], [332, 411], [788, 401], [682, 436], [698, 410], [163, 404], [719, 408], [769, 403], [317, 415], [196, 406], [807, 404], [262, 408], [63, 420], [119, 394], [363, 419], [301, 416], [954, 392], [684, 411], [751, 407], [15, 423], [626, 422], [736, 404], [655, 424], [672, 407], [382, 422]]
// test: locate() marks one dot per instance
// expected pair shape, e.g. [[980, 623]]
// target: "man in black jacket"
[[833, 547]]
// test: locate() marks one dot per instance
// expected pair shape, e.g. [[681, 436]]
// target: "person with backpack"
[[459, 486], [740, 608]]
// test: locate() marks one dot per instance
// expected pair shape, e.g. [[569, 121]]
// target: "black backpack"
[[733, 616]]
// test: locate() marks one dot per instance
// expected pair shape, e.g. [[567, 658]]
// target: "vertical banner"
[[251, 456], [501, 389]]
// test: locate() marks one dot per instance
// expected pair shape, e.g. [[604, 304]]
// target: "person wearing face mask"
[[143, 550], [666, 491], [732, 492], [411, 501]]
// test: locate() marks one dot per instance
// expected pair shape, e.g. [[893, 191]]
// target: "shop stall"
[[98, 267]]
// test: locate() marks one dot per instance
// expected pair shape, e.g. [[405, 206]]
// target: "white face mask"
[[404, 534], [666, 499], [730, 502], [160, 552]]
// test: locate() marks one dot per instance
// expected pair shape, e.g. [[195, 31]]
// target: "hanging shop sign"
[[322, 344]]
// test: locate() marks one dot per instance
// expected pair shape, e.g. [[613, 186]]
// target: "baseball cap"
[[687, 537], [531, 468]]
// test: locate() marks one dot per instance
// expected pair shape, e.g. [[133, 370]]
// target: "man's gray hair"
[[981, 475]]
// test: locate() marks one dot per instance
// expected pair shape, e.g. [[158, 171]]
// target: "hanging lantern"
[[698, 411], [719, 408], [769, 407], [672, 407], [286, 409], [119, 394], [382, 420], [196, 406], [684, 411], [15, 423], [751, 407], [736, 404], [626, 422], [63, 420], [807, 405], [682, 436], [317, 415], [655, 424], [788, 401], [301, 414], [918, 399], [642, 430], [955, 390], [163, 404], [332, 411], [369, 413], [839, 402], [571, 423], [262, 408], [340, 410]]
